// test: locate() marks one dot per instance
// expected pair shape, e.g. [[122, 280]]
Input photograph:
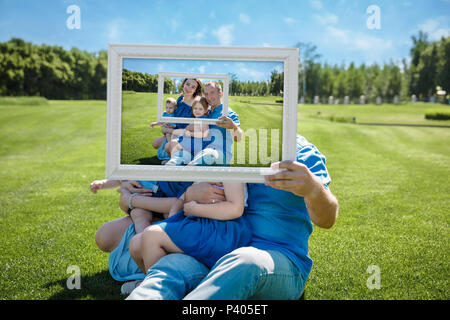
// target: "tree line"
[[27, 69], [51, 71], [428, 68], [144, 82]]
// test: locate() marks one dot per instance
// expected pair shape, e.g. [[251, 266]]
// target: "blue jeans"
[[245, 273]]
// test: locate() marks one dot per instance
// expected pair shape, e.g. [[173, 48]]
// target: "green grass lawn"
[[391, 182], [139, 110]]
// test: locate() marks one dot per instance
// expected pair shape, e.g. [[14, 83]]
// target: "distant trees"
[[144, 82], [429, 68], [55, 73], [51, 71]]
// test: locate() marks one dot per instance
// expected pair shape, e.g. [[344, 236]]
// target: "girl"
[[191, 137], [204, 231]]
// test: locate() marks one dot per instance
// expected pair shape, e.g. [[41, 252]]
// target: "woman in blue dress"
[[191, 89], [203, 231]]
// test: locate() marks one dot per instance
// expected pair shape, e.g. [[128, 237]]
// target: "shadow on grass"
[[148, 161], [99, 286]]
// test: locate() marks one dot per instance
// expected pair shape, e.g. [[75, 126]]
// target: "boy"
[[171, 105]]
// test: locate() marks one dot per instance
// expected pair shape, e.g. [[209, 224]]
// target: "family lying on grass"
[[183, 240]]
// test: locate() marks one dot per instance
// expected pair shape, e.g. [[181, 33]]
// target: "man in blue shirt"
[[276, 264], [218, 152]]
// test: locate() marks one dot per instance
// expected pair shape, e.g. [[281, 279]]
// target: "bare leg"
[[135, 249], [157, 143], [108, 236], [170, 146], [141, 219], [155, 244]]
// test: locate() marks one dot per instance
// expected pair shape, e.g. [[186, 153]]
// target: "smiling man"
[[222, 134]]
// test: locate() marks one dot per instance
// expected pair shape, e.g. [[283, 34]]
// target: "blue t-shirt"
[[223, 140], [165, 114], [279, 219]]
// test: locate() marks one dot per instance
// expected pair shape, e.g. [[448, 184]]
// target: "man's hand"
[[226, 122], [135, 187], [205, 192], [297, 179]]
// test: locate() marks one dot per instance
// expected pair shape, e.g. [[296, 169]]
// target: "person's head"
[[213, 93], [171, 105], [199, 106], [192, 87]]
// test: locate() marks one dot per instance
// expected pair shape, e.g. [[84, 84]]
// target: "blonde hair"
[[172, 101]]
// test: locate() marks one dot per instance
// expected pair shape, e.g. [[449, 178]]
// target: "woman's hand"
[[135, 187], [205, 192]]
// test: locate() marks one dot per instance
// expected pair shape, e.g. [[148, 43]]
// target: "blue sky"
[[337, 27], [243, 70]]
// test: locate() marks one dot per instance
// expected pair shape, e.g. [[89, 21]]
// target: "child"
[[204, 231], [171, 105], [140, 217], [142, 211], [192, 136]]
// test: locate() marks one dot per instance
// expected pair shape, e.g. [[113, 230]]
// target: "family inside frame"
[[200, 113]]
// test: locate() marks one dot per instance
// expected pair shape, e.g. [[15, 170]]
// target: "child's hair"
[[202, 101], [198, 91], [214, 84], [172, 101]]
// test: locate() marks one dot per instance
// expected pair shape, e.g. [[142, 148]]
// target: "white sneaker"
[[129, 286]]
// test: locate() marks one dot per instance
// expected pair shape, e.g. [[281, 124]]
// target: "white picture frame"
[[160, 100], [117, 52]]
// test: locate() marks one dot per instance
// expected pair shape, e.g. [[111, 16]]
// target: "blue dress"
[[206, 239], [183, 110]]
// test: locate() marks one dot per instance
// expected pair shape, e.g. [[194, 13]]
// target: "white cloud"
[[371, 47], [224, 34], [245, 19], [253, 74], [201, 69], [113, 30], [289, 20], [326, 18], [173, 23], [434, 29], [196, 37], [316, 4], [266, 45]]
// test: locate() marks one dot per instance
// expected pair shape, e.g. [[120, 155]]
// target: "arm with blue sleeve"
[[308, 177]]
